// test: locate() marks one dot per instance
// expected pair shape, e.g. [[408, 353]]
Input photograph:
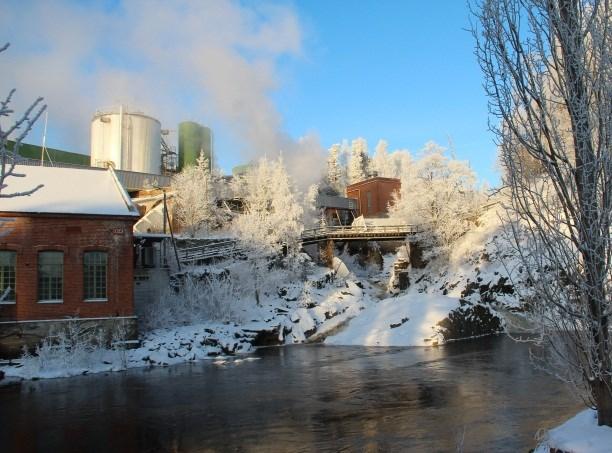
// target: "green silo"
[[192, 138]]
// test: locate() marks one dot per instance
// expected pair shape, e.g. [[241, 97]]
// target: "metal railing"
[[359, 231], [207, 251]]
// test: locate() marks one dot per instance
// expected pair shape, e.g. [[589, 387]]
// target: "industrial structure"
[[66, 252], [126, 140], [37, 153], [336, 210], [373, 195], [193, 138], [134, 145]]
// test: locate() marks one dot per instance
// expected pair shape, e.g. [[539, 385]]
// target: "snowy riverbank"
[[409, 320], [580, 434], [242, 306], [346, 309]]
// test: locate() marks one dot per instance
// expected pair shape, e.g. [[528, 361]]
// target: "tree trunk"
[[602, 394]]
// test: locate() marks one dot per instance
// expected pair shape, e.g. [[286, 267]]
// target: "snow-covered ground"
[[408, 320], [290, 311], [580, 434]]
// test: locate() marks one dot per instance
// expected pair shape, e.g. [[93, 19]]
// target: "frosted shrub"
[[118, 342], [197, 301], [74, 350]]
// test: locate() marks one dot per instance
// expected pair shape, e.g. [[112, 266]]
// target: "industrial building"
[[373, 195], [194, 139], [126, 141], [66, 251], [135, 146], [38, 153], [337, 210]]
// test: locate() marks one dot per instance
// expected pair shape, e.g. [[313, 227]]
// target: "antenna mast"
[[44, 140]]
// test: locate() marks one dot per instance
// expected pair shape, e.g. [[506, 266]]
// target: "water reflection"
[[299, 398]]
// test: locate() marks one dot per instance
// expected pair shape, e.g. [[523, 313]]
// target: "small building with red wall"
[[373, 195], [66, 252]]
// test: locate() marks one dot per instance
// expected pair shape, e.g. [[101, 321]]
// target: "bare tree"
[[547, 68], [22, 127]]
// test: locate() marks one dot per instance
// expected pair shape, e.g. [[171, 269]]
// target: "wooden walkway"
[[359, 233], [223, 249]]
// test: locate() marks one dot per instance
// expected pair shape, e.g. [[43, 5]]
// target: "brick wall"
[[27, 235], [381, 193]]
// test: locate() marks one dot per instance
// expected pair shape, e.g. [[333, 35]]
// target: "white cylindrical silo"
[[126, 140]]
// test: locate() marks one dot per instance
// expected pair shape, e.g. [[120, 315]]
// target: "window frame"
[[85, 284], [38, 278], [12, 301]]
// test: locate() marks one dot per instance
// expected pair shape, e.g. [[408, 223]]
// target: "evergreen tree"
[[358, 165], [335, 172]]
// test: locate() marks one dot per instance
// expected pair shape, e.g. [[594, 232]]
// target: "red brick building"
[[373, 195], [67, 249]]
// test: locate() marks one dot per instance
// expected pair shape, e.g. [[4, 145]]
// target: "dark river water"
[[484, 395]]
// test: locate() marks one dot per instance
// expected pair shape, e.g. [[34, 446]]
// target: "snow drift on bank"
[[579, 434], [409, 320]]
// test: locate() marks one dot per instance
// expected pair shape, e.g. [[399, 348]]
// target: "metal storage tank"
[[126, 140], [192, 139]]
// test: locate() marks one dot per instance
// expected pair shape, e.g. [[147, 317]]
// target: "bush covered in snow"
[[74, 350], [197, 300]]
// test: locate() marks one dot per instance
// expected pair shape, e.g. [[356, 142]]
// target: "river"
[[482, 394]]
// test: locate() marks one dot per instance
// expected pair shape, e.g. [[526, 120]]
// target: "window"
[[94, 275], [369, 198], [7, 277], [50, 276]]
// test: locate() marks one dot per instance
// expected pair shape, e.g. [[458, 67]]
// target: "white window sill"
[[96, 300], [57, 301], [8, 302]]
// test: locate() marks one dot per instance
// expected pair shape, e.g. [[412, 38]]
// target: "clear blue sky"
[[395, 69], [400, 70]]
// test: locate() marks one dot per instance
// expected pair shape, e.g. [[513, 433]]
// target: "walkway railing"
[[207, 251], [190, 255], [359, 232]]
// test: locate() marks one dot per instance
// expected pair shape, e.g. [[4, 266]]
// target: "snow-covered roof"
[[67, 191]]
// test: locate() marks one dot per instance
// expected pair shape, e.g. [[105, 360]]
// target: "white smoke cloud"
[[207, 60]]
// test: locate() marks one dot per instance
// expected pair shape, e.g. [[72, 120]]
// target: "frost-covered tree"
[[390, 164], [439, 194], [272, 219], [311, 215], [272, 216], [544, 61], [194, 197], [21, 127], [358, 164], [381, 162], [335, 171], [400, 163]]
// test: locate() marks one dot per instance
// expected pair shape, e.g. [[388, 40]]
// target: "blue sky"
[[261, 74], [400, 70]]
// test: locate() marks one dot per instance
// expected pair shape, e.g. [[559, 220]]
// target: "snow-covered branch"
[[8, 157], [548, 68]]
